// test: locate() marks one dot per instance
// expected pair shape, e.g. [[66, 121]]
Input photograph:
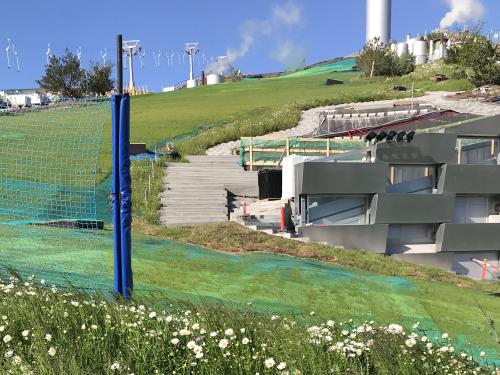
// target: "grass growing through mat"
[[273, 284], [147, 183], [49, 331], [233, 238], [391, 291]]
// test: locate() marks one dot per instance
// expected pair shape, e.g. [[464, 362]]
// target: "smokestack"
[[378, 20]]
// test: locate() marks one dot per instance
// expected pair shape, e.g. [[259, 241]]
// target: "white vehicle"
[[18, 100], [38, 99]]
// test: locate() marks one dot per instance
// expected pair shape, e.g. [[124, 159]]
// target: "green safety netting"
[[48, 214], [268, 151], [344, 65]]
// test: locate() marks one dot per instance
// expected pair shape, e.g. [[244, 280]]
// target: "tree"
[[99, 81], [64, 76], [378, 59], [405, 64], [478, 55]]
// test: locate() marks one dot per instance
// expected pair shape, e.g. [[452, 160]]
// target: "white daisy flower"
[[269, 362], [223, 344], [281, 366]]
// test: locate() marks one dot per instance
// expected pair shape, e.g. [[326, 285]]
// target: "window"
[[413, 179], [337, 210], [411, 234], [477, 150], [475, 210]]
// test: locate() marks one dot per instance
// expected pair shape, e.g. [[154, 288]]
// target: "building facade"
[[434, 200]]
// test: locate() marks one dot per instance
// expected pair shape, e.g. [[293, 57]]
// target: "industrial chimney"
[[378, 20]]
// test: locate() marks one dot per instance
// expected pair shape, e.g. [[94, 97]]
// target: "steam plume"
[[462, 11], [286, 15], [291, 55]]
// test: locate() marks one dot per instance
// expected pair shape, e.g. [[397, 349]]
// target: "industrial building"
[[430, 196], [425, 49]]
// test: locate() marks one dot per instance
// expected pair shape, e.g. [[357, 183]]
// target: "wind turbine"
[[48, 54], [154, 57], [7, 51], [17, 57], [141, 56], [103, 55], [159, 54]]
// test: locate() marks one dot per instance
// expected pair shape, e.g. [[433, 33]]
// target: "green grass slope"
[[168, 270], [287, 285], [157, 117]]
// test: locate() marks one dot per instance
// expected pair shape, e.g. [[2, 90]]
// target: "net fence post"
[[121, 189], [115, 193], [125, 197]]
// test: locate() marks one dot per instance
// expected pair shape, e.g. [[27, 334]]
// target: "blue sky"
[[282, 32]]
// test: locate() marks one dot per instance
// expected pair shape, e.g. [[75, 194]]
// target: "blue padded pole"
[[125, 197], [115, 193]]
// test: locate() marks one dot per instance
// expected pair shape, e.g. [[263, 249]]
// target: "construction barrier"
[[260, 152], [485, 266], [282, 219]]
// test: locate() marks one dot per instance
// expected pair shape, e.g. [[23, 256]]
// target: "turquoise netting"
[[48, 157]]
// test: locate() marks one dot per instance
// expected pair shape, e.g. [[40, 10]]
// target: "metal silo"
[[402, 48], [420, 51], [378, 20]]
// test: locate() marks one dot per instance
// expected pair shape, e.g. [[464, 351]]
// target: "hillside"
[[345, 283], [158, 117]]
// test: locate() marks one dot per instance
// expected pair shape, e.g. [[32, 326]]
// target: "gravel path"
[[309, 120], [437, 98]]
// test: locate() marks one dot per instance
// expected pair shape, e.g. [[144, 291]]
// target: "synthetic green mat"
[[345, 65], [169, 271]]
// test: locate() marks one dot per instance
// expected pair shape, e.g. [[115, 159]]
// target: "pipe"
[[119, 64]]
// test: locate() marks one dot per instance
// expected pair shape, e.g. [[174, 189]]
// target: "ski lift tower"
[[191, 49], [131, 48]]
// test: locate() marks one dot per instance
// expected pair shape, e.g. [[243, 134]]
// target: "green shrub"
[[405, 64], [428, 71], [477, 55], [378, 59], [147, 182]]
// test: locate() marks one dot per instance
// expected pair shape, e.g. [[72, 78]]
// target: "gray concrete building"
[[434, 200]]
